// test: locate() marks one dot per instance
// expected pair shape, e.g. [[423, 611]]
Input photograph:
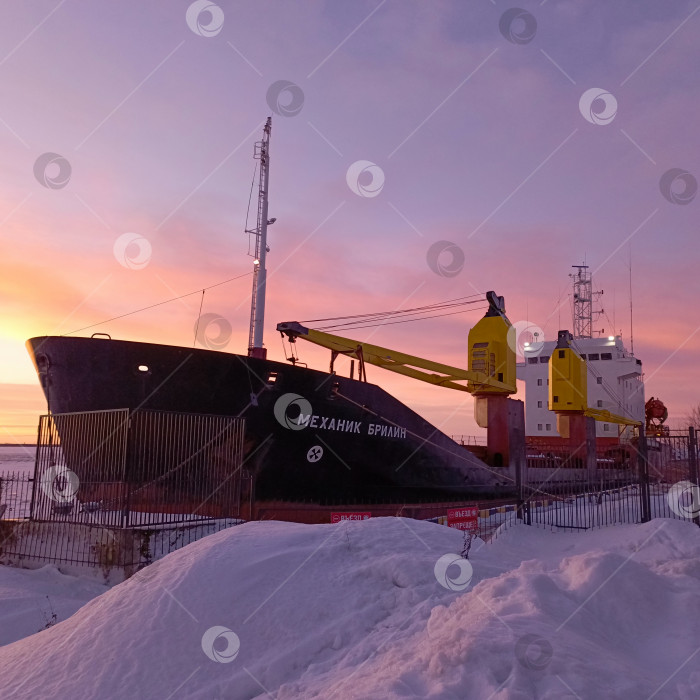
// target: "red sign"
[[339, 517], [463, 518]]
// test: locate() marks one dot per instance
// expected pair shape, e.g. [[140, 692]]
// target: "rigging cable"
[[160, 303], [381, 313], [417, 313], [199, 318], [250, 198], [408, 320]]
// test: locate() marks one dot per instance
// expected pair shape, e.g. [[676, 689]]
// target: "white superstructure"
[[614, 383]]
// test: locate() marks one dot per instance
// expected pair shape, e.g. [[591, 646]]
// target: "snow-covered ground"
[[31, 600], [373, 609]]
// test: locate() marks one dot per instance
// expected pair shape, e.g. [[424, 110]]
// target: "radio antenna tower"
[[583, 302]]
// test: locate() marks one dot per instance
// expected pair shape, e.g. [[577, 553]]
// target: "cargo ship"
[[310, 435]]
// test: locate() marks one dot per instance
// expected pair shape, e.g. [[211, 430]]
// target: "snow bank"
[[612, 614], [29, 599], [355, 611]]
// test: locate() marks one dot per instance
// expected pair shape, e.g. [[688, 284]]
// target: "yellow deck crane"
[[491, 359], [568, 385], [490, 376]]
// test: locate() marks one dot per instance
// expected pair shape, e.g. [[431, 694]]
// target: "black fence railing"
[[16, 488], [97, 546], [671, 476], [648, 478], [138, 469], [120, 488]]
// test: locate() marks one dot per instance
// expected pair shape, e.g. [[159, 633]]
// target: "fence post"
[[523, 505], [518, 488], [643, 471], [125, 485], [693, 465], [37, 457]]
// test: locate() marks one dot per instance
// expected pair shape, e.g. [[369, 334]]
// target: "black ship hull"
[[309, 435]]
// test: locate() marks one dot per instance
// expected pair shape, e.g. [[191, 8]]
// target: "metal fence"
[[71, 543], [469, 440], [80, 468], [649, 478], [136, 469], [16, 489], [121, 488], [670, 477]]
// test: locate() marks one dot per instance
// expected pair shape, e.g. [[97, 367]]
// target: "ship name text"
[[349, 426]]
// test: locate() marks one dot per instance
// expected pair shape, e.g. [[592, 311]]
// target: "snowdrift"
[[355, 610], [29, 599]]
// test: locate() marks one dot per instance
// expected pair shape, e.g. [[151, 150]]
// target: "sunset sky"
[[476, 118]]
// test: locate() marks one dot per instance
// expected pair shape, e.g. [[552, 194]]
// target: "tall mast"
[[257, 302]]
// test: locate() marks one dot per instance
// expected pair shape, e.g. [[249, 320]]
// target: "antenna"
[[583, 302], [631, 315], [582, 307], [257, 301]]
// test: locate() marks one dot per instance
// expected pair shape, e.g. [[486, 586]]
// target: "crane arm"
[[399, 362], [607, 417]]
